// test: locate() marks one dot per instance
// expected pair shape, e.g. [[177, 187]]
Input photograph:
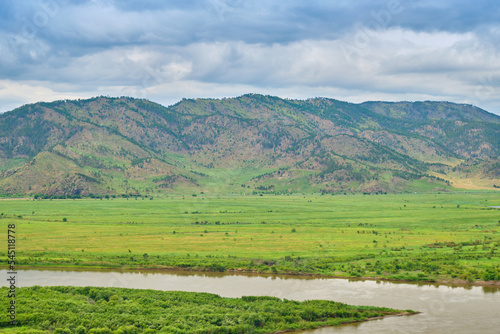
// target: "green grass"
[[11, 163], [115, 310], [406, 236]]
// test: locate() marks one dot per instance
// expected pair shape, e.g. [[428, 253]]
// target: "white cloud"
[[15, 94]]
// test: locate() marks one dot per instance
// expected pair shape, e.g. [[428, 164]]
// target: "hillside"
[[250, 144]]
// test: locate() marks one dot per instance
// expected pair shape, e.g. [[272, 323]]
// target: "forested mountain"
[[250, 144]]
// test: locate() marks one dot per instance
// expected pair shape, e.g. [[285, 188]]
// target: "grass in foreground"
[[113, 310], [418, 237]]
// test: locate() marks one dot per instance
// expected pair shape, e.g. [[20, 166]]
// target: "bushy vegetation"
[[92, 310]]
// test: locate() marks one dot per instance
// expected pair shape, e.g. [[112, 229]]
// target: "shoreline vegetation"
[[393, 269], [89, 310], [243, 272]]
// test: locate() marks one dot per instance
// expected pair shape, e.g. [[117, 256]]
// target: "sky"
[[165, 50]]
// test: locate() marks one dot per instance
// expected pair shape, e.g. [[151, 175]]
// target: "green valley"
[[405, 191], [419, 237]]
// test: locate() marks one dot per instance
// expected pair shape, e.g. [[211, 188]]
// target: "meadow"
[[416, 237]]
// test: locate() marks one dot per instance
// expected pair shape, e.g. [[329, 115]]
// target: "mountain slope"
[[249, 144]]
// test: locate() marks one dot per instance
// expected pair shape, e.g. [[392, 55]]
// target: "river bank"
[[174, 270], [457, 309]]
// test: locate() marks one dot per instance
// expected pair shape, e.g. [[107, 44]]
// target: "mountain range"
[[252, 144]]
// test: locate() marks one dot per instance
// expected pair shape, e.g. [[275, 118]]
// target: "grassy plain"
[[433, 236]]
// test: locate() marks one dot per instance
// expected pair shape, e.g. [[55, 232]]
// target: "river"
[[445, 309]]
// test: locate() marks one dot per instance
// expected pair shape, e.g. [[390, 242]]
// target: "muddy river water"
[[445, 309]]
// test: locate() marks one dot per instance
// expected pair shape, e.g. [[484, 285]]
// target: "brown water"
[[445, 309]]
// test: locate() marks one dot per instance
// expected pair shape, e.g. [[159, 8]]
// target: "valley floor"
[[447, 237]]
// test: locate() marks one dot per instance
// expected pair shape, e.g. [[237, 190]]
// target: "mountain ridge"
[[249, 144]]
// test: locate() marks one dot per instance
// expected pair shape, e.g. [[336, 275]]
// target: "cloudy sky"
[[166, 50]]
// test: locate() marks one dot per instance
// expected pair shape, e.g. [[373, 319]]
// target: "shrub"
[[62, 331], [81, 330], [104, 330]]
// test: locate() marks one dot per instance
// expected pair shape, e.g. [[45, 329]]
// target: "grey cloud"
[[78, 26], [268, 46]]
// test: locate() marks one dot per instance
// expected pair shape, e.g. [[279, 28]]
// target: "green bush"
[[80, 330], [103, 330], [62, 331]]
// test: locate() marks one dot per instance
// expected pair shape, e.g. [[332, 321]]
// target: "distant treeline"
[[49, 196]]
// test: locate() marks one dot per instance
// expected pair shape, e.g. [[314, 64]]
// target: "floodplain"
[[444, 237]]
